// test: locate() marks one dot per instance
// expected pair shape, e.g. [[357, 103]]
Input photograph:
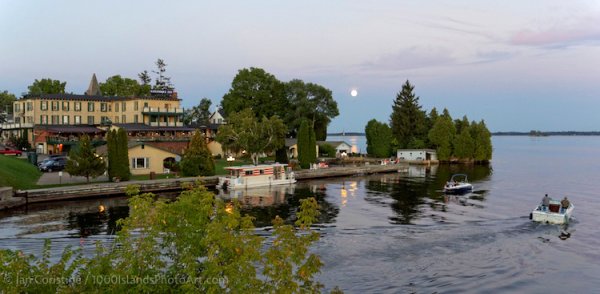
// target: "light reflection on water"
[[395, 232]]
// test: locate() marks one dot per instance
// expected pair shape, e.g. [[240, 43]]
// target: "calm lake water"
[[397, 233]]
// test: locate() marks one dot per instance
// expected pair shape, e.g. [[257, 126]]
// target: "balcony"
[[15, 126], [162, 111], [166, 124]]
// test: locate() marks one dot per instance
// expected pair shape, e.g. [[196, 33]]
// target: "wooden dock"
[[175, 184]]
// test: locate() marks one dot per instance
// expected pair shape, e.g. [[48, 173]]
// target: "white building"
[[417, 154]]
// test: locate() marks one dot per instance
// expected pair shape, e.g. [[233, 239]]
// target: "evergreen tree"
[[442, 135], [84, 162], [482, 139], [197, 159], [304, 155], [379, 139], [312, 144], [408, 121], [464, 145], [112, 153], [122, 168]]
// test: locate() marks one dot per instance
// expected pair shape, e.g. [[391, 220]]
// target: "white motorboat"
[[553, 214], [458, 184]]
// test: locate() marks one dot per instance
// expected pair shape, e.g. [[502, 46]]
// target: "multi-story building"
[[55, 120]]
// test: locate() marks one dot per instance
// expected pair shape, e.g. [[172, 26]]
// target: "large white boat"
[[249, 176], [458, 184], [553, 214]]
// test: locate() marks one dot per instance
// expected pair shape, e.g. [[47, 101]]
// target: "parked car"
[[8, 151], [54, 164], [49, 158]]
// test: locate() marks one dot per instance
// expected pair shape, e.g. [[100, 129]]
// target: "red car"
[[8, 151]]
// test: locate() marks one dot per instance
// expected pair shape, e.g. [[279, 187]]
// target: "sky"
[[518, 65]]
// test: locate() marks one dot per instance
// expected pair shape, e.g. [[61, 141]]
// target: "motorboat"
[[553, 214], [458, 184], [249, 176]]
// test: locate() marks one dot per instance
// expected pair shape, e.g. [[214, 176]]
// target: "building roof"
[[75, 97], [93, 88], [411, 150], [289, 142], [132, 143], [78, 129], [203, 126], [138, 127]]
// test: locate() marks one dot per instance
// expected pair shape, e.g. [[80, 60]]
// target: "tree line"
[[411, 127]]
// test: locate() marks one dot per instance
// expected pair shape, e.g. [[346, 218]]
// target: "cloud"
[[411, 58], [585, 30]]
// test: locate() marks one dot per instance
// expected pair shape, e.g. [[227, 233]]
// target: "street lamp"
[[230, 159]]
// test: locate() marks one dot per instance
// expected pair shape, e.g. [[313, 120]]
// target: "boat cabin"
[[257, 175]]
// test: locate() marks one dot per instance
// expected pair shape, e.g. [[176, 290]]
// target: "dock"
[[23, 197]]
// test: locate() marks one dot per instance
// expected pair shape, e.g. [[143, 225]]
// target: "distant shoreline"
[[540, 134]]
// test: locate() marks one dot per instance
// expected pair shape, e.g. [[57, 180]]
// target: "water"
[[397, 233]]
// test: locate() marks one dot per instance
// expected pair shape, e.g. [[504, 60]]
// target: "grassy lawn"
[[18, 173]]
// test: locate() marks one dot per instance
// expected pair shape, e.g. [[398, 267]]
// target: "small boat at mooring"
[[458, 184], [553, 214], [250, 176]]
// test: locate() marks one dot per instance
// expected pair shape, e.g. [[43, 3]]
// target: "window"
[[78, 119], [90, 106], [167, 106], [123, 106], [103, 107], [30, 119], [77, 106], [44, 105], [29, 106], [17, 120], [65, 119], [65, 105], [44, 119], [117, 107], [135, 105], [140, 162], [145, 104], [90, 119], [17, 107], [54, 105], [135, 118], [55, 119], [248, 172], [123, 120], [116, 119]]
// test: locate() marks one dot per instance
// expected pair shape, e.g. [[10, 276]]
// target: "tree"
[[442, 134], [244, 132], [124, 87], [6, 105], [145, 78], [312, 102], [197, 159], [258, 90], [379, 139], [122, 165], [162, 82], [197, 240], [198, 114], [22, 141], [84, 162], [47, 86], [464, 145], [407, 120], [306, 145], [483, 142]]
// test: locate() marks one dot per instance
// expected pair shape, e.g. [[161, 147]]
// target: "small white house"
[[217, 117], [341, 147], [417, 154]]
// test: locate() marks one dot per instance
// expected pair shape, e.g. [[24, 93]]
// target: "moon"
[[353, 93]]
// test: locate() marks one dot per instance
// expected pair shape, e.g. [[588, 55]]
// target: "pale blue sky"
[[520, 65]]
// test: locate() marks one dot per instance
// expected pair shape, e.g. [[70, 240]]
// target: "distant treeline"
[[538, 133]]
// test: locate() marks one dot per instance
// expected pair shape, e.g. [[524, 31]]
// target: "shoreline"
[[11, 199]]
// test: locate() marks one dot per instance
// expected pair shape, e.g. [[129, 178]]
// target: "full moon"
[[353, 93]]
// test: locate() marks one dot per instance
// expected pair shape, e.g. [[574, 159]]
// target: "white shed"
[[417, 154]]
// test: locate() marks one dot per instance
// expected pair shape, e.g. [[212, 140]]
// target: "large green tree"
[[47, 86], [379, 139], [482, 139], [199, 113], [442, 135], [197, 159], [258, 90], [162, 82], [6, 105], [125, 87], [244, 131], [408, 121], [83, 161], [312, 102], [305, 157], [118, 156], [464, 145]]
